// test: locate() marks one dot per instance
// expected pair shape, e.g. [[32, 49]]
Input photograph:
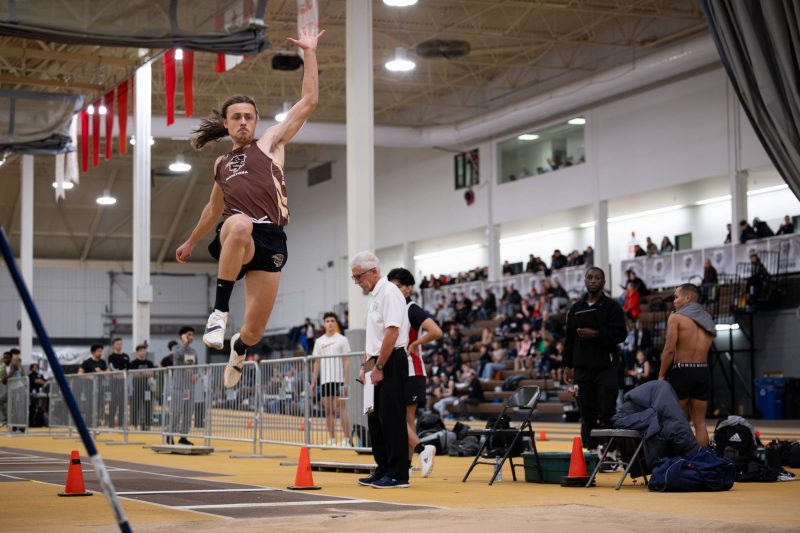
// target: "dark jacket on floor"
[[653, 409]]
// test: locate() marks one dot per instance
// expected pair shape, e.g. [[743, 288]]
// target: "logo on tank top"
[[235, 164]]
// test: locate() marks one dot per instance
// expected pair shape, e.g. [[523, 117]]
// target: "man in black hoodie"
[[590, 354]]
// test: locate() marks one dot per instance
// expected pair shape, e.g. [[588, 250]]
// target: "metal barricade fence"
[[336, 403], [283, 405], [273, 403], [18, 402]]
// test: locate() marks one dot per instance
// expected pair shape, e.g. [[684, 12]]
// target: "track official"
[[590, 355], [387, 336]]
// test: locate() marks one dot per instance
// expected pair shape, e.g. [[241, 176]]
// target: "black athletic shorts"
[[415, 390], [270, 253], [690, 380], [331, 389]]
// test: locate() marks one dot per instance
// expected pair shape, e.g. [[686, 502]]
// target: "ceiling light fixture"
[[179, 165], [90, 109], [399, 3], [401, 62], [66, 185], [447, 252], [765, 190], [577, 121], [280, 117], [528, 137], [713, 200], [178, 54], [106, 199], [102, 109]]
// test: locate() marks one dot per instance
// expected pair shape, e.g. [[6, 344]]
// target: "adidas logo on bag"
[[735, 438]]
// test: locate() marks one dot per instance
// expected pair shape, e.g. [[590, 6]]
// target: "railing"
[[273, 403]]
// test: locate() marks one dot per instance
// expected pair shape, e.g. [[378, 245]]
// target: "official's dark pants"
[[597, 400], [387, 422]]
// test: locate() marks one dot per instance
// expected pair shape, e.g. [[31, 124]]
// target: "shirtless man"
[[684, 362]]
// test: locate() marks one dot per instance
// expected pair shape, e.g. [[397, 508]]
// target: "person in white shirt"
[[387, 336], [333, 372]]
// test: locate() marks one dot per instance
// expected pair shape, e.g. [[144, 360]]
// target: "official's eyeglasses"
[[357, 277]]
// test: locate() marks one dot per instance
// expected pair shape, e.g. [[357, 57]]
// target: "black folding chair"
[[523, 400]]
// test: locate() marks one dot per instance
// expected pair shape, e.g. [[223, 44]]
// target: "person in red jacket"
[[632, 305]]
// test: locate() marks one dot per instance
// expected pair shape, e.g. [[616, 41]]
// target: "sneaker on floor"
[[332, 442], [233, 370], [185, 442], [426, 460], [368, 481], [214, 336], [387, 482]]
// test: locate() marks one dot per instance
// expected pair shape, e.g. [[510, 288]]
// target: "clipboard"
[[589, 318], [369, 364]]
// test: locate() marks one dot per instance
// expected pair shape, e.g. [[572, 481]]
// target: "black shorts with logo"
[[270, 254], [690, 380], [415, 390]]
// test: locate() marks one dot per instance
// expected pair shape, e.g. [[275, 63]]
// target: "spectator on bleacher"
[[486, 337], [641, 369], [490, 303], [556, 357], [530, 266], [762, 229], [666, 245], [638, 283], [474, 395], [559, 299], [498, 362], [758, 280], [787, 227], [557, 261], [452, 359], [463, 309], [444, 395], [514, 300], [484, 357], [651, 249], [728, 237], [746, 232], [445, 315], [709, 281], [507, 270], [632, 306], [575, 258], [588, 256], [437, 365], [638, 251], [523, 351], [477, 308], [589, 355]]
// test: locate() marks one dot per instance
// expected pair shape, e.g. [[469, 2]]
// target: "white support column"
[[493, 243], [408, 259], [737, 178], [600, 214], [26, 254], [142, 290], [360, 154], [487, 167]]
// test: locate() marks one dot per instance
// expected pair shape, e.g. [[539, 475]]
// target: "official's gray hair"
[[366, 260]]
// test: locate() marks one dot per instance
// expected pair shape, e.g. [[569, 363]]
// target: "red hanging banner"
[[96, 134], [84, 141], [188, 82], [169, 84], [109, 102], [122, 116]]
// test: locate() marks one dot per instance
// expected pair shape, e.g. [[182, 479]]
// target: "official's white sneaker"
[[426, 460], [214, 335], [233, 370]]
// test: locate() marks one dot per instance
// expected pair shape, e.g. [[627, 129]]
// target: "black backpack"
[[499, 444], [736, 435], [429, 421], [465, 447]]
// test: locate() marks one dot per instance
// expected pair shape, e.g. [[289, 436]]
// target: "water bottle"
[[497, 462]]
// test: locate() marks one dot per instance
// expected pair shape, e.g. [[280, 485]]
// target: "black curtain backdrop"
[[759, 43]]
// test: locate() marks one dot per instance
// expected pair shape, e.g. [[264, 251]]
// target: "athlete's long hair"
[[213, 128]]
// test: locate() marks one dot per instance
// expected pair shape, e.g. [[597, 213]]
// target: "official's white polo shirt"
[[387, 307]]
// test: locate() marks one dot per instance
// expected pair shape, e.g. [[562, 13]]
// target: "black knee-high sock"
[[224, 290], [240, 347]]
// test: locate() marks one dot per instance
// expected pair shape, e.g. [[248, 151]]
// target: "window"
[[466, 169], [683, 242], [541, 151]]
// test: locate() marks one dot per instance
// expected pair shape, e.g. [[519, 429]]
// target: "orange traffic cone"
[[304, 480], [74, 485], [542, 435], [577, 476]]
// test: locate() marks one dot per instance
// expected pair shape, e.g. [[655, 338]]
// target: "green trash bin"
[[555, 465]]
